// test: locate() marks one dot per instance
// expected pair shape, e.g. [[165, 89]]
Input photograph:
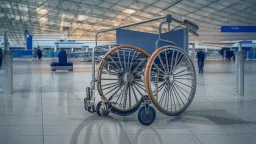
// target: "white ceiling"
[[85, 17]]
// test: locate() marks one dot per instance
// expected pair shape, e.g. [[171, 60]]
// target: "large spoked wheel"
[[120, 77], [170, 80]]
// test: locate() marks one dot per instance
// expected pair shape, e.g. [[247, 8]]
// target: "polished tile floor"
[[47, 108]]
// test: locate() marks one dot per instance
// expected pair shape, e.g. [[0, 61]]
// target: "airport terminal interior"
[[127, 71]]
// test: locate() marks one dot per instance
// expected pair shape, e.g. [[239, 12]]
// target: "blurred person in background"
[[201, 57], [39, 54]]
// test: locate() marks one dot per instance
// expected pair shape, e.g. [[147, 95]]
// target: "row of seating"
[[63, 64]]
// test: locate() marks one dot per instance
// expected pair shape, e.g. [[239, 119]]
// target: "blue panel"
[[238, 29], [176, 36], [140, 39], [18, 53], [147, 41], [243, 48], [29, 42], [25, 33]]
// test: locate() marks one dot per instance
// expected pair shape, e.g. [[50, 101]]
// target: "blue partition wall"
[[179, 37], [21, 54], [147, 41], [140, 39]]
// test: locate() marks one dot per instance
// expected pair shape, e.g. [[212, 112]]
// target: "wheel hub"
[[128, 77], [169, 78]]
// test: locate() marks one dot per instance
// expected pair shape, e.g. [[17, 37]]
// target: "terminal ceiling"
[[82, 18]]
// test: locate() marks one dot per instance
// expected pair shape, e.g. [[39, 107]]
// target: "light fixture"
[[42, 11], [129, 11], [81, 17], [43, 19]]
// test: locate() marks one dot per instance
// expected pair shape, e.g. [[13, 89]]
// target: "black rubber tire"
[[101, 112], [143, 118], [98, 108]]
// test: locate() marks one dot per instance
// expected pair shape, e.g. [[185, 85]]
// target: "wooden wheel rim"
[[102, 63], [148, 80]]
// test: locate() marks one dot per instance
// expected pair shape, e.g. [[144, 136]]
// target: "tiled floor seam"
[[42, 107], [236, 117], [241, 120], [126, 130], [191, 130]]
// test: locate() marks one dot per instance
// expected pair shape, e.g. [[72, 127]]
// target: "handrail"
[[125, 26]]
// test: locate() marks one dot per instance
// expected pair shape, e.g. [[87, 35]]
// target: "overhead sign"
[[238, 29]]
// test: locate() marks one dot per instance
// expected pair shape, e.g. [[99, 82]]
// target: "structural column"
[[8, 69], [193, 52], [240, 70]]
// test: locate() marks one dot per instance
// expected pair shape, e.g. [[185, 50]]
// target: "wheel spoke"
[[178, 95], [183, 74], [181, 91], [176, 98], [172, 61], [125, 95], [116, 92], [167, 65], [182, 88], [116, 70], [167, 97], [184, 84], [131, 63], [172, 98], [130, 98], [137, 67], [158, 68], [114, 63], [164, 92], [159, 57], [133, 60], [125, 69], [111, 90], [176, 59], [137, 90], [128, 62], [181, 71], [159, 88], [177, 66], [185, 78], [139, 85], [108, 79], [134, 94], [119, 59], [110, 86]]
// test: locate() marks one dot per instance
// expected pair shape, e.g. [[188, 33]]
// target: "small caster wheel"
[[146, 115], [100, 110], [87, 106], [91, 109]]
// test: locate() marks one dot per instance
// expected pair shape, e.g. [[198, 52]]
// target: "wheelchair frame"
[[89, 101]]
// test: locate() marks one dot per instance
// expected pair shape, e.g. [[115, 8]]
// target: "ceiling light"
[[81, 17], [129, 11], [41, 11], [43, 19]]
